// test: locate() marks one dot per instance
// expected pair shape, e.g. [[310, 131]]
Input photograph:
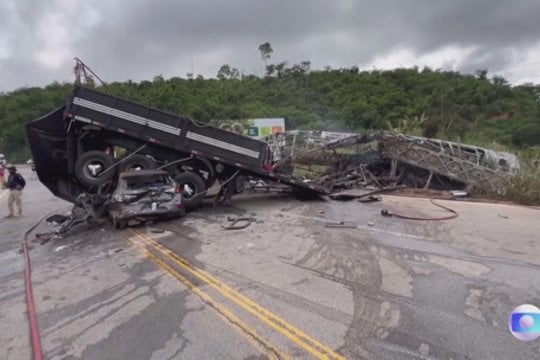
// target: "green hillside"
[[476, 109]]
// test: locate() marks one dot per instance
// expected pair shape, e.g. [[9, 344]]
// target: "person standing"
[[2, 178], [15, 185]]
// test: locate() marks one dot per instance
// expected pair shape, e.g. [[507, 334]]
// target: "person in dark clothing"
[[2, 178], [15, 184]]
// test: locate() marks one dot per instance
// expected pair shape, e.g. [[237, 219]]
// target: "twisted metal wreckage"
[[72, 145], [381, 159]]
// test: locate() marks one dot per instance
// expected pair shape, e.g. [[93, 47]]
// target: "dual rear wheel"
[[95, 168], [193, 188]]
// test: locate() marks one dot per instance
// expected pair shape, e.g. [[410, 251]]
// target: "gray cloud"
[[139, 39]]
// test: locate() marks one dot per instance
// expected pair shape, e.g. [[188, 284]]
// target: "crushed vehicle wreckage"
[[381, 159], [144, 195], [318, 161], [75, 155]]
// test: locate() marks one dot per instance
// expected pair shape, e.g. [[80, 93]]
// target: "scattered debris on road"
[[239, 223], [60, 248], [341, 224]]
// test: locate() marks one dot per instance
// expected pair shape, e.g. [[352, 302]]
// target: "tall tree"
[[266, 52], [224, 72], [227, 72]]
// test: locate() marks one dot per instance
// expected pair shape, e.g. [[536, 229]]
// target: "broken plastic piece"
[[458, 193], [239, 223], [341, 224]]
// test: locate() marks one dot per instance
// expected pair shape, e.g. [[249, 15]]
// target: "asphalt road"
[[285, 287]]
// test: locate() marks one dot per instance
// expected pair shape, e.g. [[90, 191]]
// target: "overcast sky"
[[139, 39]]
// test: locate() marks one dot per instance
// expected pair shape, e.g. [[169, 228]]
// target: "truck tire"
[[90, 165], [193, 188], [137, 162], [200, 167]]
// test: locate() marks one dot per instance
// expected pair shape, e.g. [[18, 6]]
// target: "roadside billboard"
[[266, 127], [260, 127]]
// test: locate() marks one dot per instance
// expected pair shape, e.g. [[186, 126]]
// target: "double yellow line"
[[143, 242]]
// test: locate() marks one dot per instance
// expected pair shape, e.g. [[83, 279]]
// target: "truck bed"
[[163, 128]]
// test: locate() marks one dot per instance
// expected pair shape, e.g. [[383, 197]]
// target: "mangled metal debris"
[[145, 195], [382, 159]]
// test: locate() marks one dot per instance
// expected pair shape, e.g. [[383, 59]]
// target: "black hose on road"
[[406, 217]]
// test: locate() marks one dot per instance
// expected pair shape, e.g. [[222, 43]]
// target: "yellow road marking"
[[292, 333], [270, 350]]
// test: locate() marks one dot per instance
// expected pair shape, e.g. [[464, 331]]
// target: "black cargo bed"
[[169, 130]]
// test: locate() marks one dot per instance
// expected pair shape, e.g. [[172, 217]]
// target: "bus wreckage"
[[381, 159]]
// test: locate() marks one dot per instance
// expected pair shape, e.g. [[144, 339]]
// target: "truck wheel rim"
[[135, 167], [94, 168], [189, 190]]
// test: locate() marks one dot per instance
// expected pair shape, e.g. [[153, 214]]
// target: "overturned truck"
[[80, 148]]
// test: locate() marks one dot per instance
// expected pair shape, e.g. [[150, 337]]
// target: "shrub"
[[524, 188]]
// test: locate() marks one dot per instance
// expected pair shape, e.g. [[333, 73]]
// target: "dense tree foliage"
[[471, 108]]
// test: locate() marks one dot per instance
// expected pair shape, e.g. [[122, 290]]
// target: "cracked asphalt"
[[390, 289]]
